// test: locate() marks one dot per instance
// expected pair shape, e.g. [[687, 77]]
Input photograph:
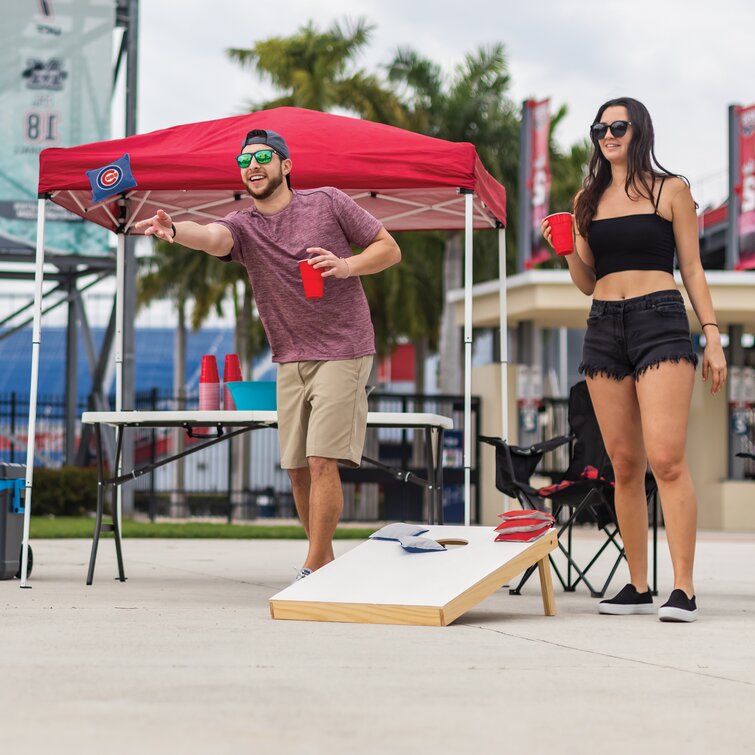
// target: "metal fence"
[[50, 428], [242, 478], [554, 421], [743, 422]]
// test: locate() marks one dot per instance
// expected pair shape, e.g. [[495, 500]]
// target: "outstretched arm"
[[213, 238]]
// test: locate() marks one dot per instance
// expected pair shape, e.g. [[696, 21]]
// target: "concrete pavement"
[[184, 657]]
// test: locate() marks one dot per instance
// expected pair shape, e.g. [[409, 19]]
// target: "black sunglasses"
[[617, 129], [262, 156]]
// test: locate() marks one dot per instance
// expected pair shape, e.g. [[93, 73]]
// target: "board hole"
[[453, 542]]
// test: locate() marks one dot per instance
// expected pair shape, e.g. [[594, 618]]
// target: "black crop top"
[[632, 242]]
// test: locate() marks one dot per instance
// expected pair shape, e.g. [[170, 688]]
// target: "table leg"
[[100, 502], [432, 503], [438, 480], [546, 586], [114, 510]]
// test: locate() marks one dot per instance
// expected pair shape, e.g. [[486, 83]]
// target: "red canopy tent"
[[409, 181]]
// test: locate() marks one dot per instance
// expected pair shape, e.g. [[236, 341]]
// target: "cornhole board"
[[378, 582]]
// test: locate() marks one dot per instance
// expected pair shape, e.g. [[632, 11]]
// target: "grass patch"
[[83, 527]]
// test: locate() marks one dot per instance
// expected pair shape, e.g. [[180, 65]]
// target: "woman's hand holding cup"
[[558, 232]]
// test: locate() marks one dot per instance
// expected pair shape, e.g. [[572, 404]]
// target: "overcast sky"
[[687, 60]]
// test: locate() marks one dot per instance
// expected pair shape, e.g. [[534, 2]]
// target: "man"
[[324, 347]]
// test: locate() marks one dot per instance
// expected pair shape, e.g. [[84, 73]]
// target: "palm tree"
[[406, 300], [315, 69], [182, 275], [470, 104]]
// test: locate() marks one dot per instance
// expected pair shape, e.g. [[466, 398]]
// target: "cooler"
[[12, 486]]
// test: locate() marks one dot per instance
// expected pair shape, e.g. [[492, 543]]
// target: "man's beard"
[[273, 182]]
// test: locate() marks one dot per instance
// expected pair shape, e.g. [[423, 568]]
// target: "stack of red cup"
[[231, 374], [209, 384], [209, 388]]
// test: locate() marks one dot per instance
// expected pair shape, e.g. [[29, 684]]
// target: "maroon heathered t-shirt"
[[338, 326]]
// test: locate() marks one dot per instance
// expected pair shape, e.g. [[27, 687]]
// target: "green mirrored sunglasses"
[[262, 156]]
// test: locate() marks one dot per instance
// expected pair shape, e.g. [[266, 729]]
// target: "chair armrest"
[[550, 444], [537, 448]]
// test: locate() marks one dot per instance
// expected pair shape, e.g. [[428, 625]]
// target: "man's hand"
[[159, 225], [328, 263]]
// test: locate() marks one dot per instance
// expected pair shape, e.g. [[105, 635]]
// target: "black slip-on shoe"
[[678, 608], [627, 602]]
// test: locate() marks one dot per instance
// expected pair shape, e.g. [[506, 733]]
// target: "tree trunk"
[[178, 497], [242, 336], [420, 356], [451, 334]]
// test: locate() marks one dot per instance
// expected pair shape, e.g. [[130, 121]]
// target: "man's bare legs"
[[319, 502], [300, 487]]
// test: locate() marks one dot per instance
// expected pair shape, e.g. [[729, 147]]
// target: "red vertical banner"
[[540, 176], [746, 186]]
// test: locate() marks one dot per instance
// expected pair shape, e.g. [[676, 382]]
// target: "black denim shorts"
[[628, 336]]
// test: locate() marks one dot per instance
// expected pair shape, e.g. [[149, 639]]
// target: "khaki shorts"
[[322, 410]]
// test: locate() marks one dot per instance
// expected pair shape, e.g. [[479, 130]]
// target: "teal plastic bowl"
[[254, 395]]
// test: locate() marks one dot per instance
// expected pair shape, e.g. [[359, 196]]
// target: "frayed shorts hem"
[[613, 373]]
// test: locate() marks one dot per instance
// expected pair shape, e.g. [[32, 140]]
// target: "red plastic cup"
[[231, 374], [314, 284], [208, 372], [561, 232], [232, 369]]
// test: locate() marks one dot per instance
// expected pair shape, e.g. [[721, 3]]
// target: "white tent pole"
[[120, 277], [468, 430], [39, 271], [504, 328], [120, 283]]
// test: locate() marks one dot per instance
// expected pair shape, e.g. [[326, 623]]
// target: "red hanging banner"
[[746, 185], [540, 175]]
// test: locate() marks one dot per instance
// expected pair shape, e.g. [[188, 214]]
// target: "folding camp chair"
[[583, 493]]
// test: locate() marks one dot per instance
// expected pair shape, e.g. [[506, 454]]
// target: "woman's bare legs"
[[665, 394], [618, 413]]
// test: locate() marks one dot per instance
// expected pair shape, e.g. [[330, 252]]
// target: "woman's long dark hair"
[[642, 166]]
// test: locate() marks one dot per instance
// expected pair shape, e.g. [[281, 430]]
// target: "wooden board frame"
[[366, 613]]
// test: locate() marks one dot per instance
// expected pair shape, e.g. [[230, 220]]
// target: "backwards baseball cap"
[[271, 138]]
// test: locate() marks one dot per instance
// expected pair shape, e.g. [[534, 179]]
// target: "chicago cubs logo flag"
[[111, 179]]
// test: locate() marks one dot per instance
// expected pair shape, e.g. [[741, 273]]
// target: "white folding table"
[[227, 425]]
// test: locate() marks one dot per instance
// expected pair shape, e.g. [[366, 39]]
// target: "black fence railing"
[[49, 428], [213, 482], [554, 420], [744, 425]]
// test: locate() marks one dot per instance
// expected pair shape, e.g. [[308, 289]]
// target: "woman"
[[630, 216]]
